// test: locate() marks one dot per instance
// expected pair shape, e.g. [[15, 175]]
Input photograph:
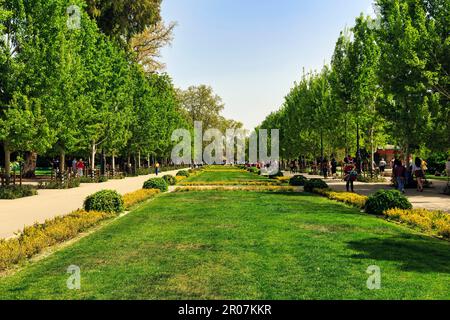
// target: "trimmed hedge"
[[429, 221], [157, 183], [171, 181], [312, 184], [183, 173], [298, 181], [104, 201], [383, 200], [133, 198], [35, 238], [16, 192]]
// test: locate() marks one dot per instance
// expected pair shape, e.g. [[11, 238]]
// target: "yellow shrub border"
[[133, 198], [349, 198], [32, 240], [436, 222], [231, 183]]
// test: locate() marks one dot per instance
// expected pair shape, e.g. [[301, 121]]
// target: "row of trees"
[[79, 77], [388, 82], [70, 83]]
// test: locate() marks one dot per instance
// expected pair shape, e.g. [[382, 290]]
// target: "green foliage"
[[157, 183], [104, 201], [298, 180], [183, 173], [15, 192], [384, 200], [171, 181], [68, 184], [254, 170], [312, 184]]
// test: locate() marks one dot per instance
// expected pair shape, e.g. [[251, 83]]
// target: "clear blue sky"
[[252, 51]]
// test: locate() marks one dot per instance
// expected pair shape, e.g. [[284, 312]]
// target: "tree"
[[123, 19], [147, 45], [403, 71]]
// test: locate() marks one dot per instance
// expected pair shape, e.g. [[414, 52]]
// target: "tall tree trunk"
[[7, 163], [93, 152], [139, 159], [29, 168], [113, 163], [148, 160], [62, 160]]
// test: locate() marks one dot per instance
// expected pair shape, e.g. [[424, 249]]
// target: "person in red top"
[[349, 173], [80, 167]]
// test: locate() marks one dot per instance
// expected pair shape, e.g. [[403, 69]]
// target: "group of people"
[[401, 173]]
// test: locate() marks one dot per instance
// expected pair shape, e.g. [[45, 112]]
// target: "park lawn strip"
[[214, 177], [241, 245]]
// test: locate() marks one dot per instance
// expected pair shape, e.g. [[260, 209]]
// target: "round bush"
[[183, 173], [171, 181], [254, 170], [298, 181], [104, 201], [383, 200], [312, 184], [157, 183]]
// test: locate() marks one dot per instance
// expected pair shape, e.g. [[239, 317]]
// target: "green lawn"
[[216, 174], [433, 177], [242, 245]]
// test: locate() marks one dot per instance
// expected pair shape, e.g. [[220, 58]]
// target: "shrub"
[[183, 173], [68, 184], [15, 192], [312, 184], [254, 170], [179, 179], [171, 181], [298, 181], [279, 174], [430, 221], [130, 199], [34, 239], [105, 201], [383, 200], [157, 183]]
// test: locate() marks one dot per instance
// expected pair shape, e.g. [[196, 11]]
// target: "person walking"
[[324, 166], [418, 173], [447, 167], [80, 167], [334, 165], [400, 175], [74, 166], [157, 168], [350, 174], [382, 166]]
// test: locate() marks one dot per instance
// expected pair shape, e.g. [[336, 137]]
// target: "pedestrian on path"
[[418, 172], [80, 167], [400, 175], [382, 166], [157, 168], [350, 173]]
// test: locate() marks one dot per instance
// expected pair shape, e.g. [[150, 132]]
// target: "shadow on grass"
[[414, 253]]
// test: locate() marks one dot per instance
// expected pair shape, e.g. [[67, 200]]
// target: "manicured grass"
[[433, 177], [225, 175], [241, 245]]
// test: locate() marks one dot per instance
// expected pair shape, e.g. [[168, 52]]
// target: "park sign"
[[229, 148]]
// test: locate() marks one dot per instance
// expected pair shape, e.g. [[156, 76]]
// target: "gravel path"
[[16, 214]]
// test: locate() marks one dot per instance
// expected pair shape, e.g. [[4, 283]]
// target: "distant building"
[[388, 153]]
